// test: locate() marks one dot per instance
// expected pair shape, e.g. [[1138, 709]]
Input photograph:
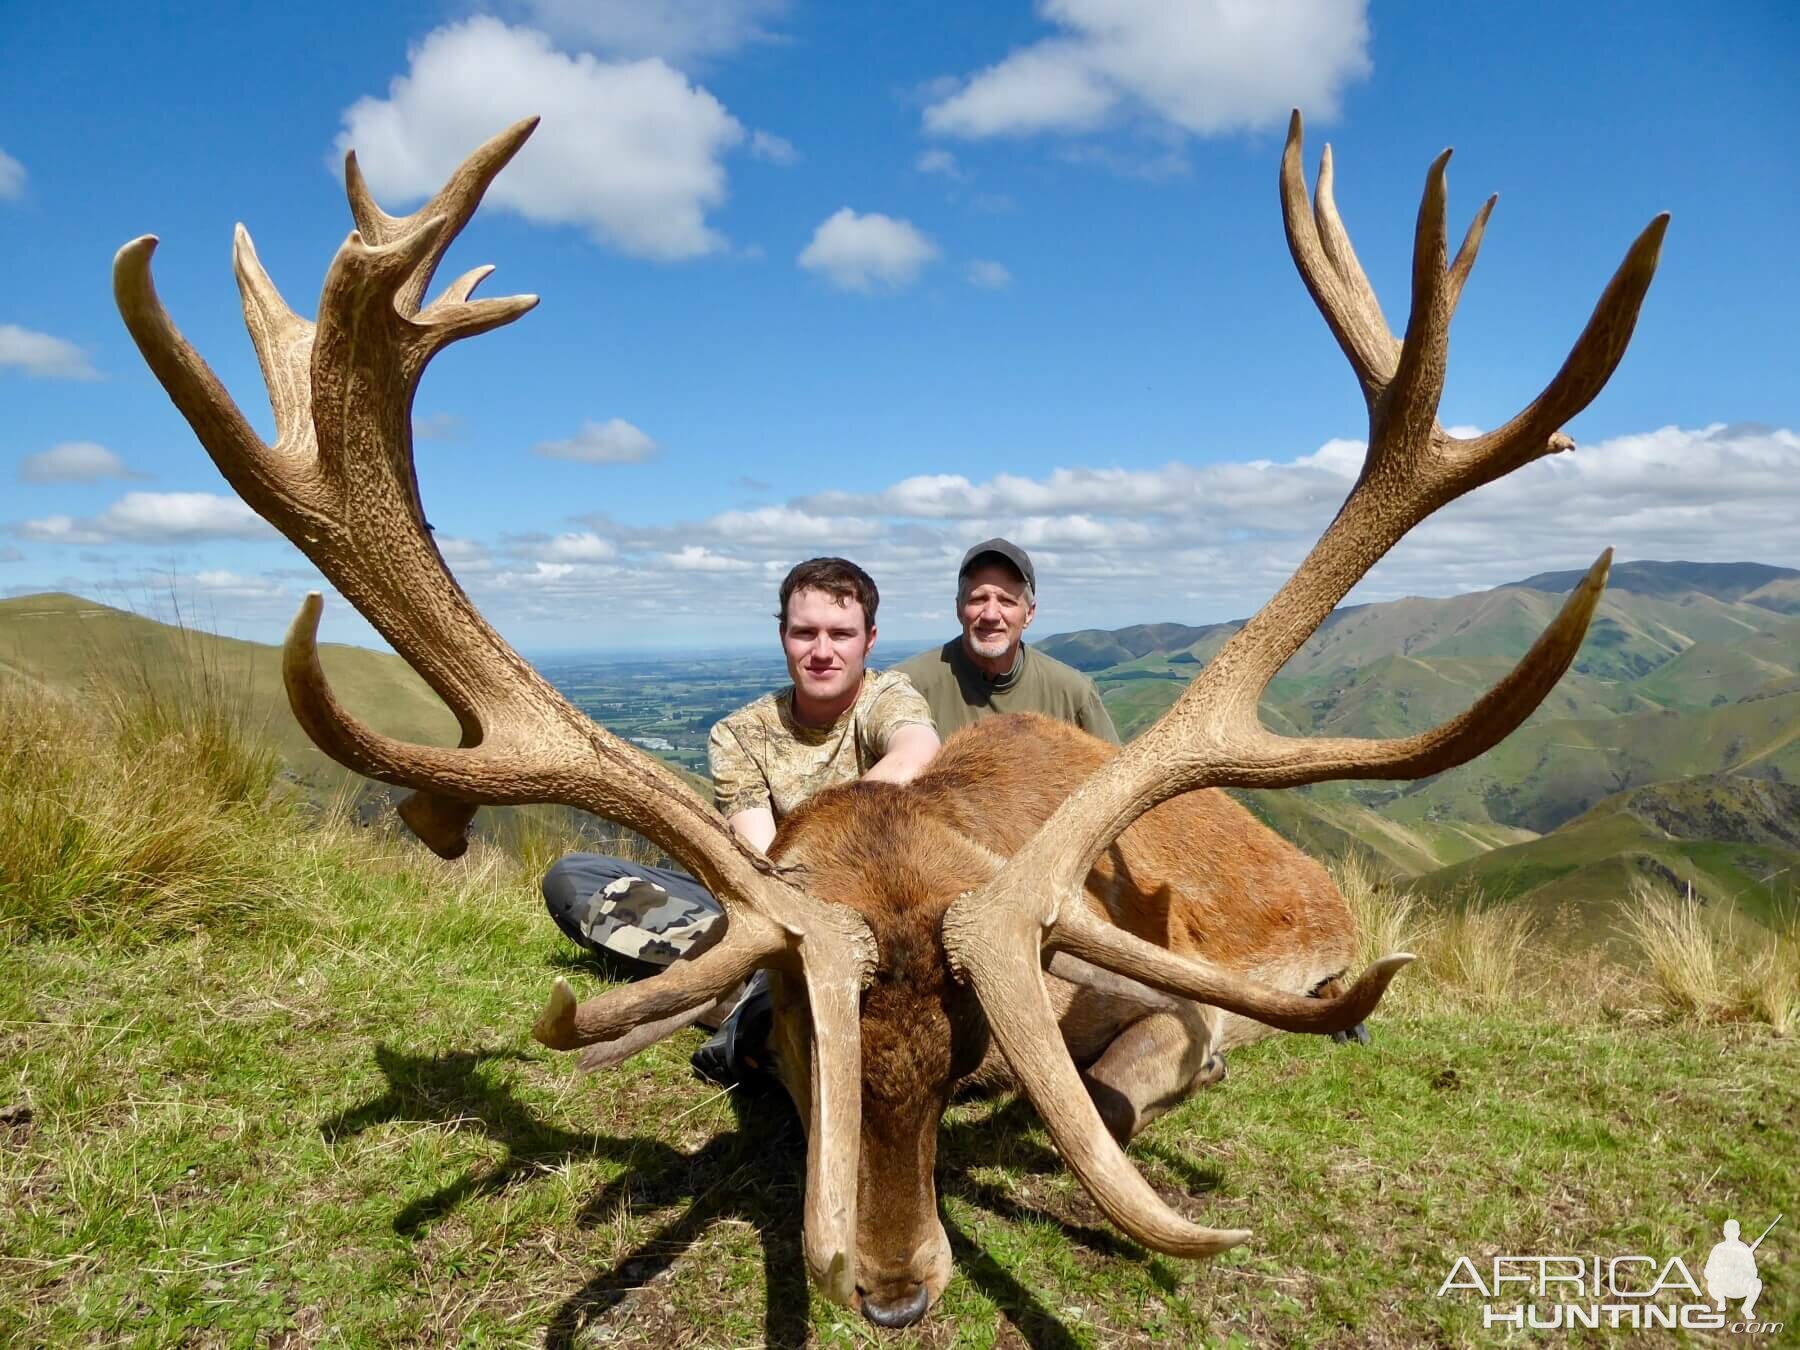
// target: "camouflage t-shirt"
[[762, 756]]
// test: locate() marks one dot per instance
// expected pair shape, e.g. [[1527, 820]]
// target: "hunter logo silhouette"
[[1730, 1271]]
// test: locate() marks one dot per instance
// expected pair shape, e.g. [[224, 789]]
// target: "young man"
[[837, 722], [989, 669]]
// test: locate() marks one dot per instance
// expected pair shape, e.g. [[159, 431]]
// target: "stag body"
[[1197, 876], [339, 483]]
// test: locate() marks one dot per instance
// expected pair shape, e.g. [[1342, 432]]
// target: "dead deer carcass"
[[339, 482]]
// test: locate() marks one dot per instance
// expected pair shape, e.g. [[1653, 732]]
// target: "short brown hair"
[[837, 577]]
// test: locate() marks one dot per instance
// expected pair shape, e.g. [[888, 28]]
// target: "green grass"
[[341, 1131], [314, 1116]]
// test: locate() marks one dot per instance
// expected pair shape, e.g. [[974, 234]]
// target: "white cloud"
[[775, 149], [39, 354], [788, 527], [1234, 530], [1113, 545], [235, 585], [59, 530], [181, 515], [456, 550], [679, 31], [584, 547], [631, 151], [864, 253], [987, 274], [695, 558], [939, 161], [73, 462], [155, 517], [12, 178], [10, 554], [614, 441], [1201, 66]]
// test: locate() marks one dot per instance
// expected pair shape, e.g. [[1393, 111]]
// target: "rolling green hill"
[[1689, 669], [67, 642], [1682, 705], [1735, 840], [77, 646]]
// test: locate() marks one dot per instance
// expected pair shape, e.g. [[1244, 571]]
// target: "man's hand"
[[909, 750], [756, 827]]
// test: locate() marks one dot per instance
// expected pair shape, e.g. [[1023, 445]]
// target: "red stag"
[[1035, 901]]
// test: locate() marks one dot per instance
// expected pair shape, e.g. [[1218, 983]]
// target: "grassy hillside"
[[85, 650], [278, 1090], [67, 643], [1641, 653], [1688, 669], [1735, 841]]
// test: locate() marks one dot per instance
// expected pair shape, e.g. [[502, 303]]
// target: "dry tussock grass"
[[138, 812], [1702, 964], [132, 812], [1682, 959]]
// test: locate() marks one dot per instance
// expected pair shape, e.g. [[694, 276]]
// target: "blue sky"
[[882, 280]]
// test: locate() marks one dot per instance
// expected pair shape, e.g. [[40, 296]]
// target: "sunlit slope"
[[1735, 840], [69, 643]]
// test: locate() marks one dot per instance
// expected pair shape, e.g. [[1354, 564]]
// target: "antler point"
[[134, 250]]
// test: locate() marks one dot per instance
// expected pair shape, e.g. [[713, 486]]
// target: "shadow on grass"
[[754, 1173]]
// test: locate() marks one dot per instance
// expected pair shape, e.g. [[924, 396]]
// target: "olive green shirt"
[[761, 755], [960, 693]]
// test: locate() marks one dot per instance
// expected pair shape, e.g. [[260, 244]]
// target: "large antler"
[[339, 482], [997, 937]]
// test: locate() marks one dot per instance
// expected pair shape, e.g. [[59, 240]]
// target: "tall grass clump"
[[1486, 952], [1701, 964], [1388, 919], [1475, 954], [142, 809]]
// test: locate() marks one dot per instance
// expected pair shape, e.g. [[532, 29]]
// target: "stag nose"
[[902, 1310]]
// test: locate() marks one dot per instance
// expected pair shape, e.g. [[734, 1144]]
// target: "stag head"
[[918, 1004]]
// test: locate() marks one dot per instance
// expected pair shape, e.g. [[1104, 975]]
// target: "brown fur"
[[1196, 874]]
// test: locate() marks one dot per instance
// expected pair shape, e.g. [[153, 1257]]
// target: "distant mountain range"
[[1671, 750], [1688, 686]]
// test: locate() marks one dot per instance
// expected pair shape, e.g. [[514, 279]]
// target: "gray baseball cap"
[[1008, 552]]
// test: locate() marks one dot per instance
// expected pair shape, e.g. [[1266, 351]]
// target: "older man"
[[989, 669]]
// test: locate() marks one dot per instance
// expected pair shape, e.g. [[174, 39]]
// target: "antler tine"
[[1464, 263], [283, 343], [1212, 736], [221, 427], [1402, 421], [1329, 267], [1533, 433], [997, 951], [1081, 935], [455, 202], [750, 943]]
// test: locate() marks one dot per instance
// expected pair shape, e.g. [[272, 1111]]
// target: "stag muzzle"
[[902, 1311]]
